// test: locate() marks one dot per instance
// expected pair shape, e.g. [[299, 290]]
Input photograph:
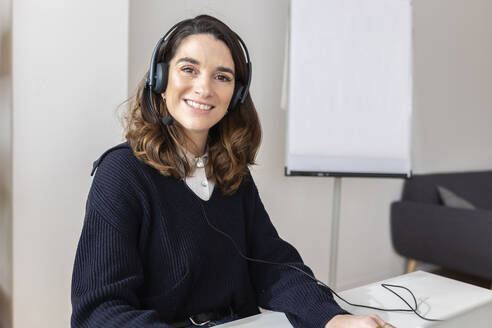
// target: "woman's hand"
[[357, 321]]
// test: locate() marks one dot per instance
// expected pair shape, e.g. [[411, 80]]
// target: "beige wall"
[[70, 74], [453, 85], [5, 164]]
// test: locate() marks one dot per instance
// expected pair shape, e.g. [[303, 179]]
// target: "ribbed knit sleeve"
[[281, 288], [107, 270]]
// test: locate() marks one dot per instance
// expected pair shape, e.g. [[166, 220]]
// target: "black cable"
[[318, 281]]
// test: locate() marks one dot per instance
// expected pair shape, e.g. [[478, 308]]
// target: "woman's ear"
[[163, 95]]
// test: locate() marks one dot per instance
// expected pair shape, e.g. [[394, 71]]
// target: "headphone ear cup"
[[236, 96], [161, 76]]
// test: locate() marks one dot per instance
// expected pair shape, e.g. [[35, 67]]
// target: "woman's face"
[[201, 83]]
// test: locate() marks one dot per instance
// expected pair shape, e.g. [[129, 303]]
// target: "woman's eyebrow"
[[196, 62]]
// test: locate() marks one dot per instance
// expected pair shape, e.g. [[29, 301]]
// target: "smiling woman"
[[161, 246]]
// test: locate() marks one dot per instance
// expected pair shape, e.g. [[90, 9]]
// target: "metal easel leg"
[[335, 227]]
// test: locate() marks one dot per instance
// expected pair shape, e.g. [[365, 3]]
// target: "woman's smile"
[[199, 107]]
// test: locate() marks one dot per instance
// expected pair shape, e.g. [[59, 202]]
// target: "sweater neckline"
[[212, 196]]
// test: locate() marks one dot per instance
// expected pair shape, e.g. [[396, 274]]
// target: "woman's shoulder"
[[248, 186], [119, 188], [120, 155], [120, 177], [119, 168]]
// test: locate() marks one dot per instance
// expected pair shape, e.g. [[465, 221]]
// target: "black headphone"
[[159, 72]]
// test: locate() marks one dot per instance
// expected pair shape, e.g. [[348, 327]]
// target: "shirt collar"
[[192, 159]]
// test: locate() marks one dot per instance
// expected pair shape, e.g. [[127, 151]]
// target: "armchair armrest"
[[459, 239]]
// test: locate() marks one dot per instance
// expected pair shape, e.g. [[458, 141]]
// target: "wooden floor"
[[464, 277]]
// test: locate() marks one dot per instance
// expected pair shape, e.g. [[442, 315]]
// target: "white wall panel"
[[70, 71]]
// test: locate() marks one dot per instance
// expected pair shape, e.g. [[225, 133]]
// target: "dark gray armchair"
[[423, 229]]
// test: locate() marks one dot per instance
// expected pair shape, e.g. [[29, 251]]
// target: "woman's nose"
[[203, 87]]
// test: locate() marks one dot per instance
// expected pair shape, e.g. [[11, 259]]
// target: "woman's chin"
[[194, 128]]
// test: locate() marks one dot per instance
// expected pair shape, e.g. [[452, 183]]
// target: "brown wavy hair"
[[232, 143]]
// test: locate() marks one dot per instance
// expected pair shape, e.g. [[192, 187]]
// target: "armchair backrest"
[[476, 187]]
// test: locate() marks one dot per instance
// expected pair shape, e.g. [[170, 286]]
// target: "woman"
[[173, 213]]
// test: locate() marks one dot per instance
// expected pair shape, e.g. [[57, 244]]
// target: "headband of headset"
[[158, 72]]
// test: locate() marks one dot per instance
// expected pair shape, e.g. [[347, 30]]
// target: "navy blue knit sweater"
[[146, 255]]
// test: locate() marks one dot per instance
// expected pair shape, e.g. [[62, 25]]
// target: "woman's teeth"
[[198, 106]]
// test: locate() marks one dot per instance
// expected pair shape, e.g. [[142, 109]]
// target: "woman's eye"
[[188, 70], [223, 78]]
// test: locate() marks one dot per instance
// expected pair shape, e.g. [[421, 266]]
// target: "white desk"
[[460, 304], [437, 298]]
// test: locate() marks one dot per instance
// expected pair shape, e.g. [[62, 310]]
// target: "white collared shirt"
[[198, 181]]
